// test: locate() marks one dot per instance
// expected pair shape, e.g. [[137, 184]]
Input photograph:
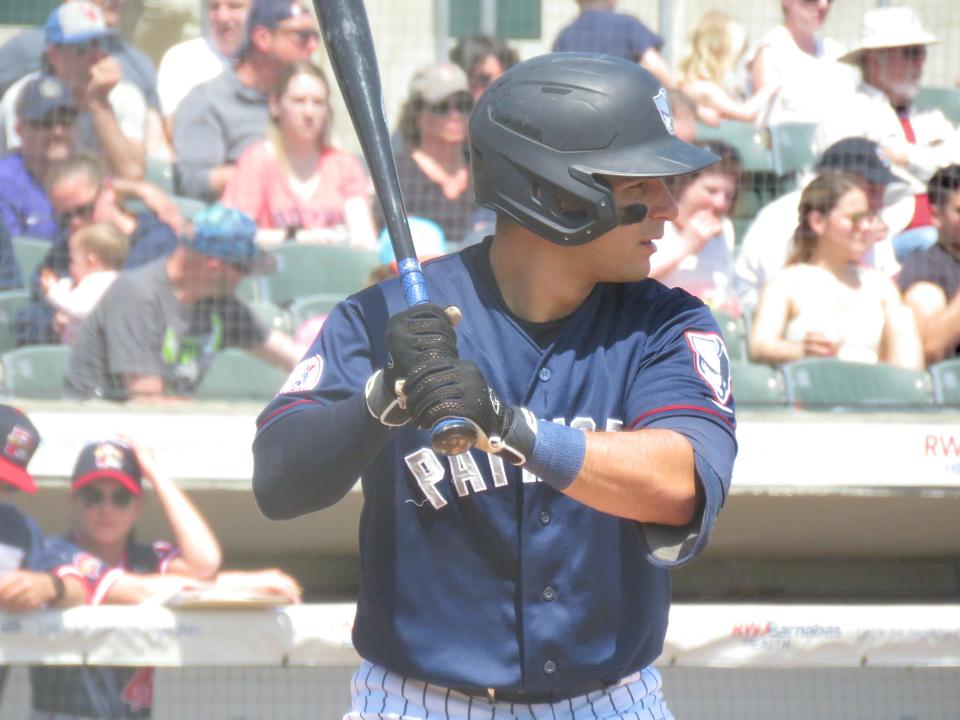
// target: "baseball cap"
[[269, 14], [428, 241], [75, 22], [108, 459], [858, 156], [20, 441], [436, 82], [43, 95], [230, 235]]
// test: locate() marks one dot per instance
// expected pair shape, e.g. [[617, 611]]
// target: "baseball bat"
[[349, 42]]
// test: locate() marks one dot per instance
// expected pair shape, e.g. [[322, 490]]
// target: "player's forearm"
[[646, 475], [307, 459]]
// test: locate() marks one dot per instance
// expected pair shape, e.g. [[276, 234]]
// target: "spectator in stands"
[[45, 118], [219, 119], [717, 43], [825, 303], [81, 194], [769, 240], [890, 54], [158, 327], [483, 58], [196, 61], [930, 278], [24, 54], [433, 171], [792, 57], [294, 184], [26, 578], [684, 111], [600, 29], [155, 26], [696, 251], [97, 252], [113, 114]]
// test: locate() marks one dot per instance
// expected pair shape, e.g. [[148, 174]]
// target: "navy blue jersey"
[[21, 542], [103, 692], [474, 572]]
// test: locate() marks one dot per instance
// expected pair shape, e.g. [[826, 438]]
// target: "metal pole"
[[666, 29], [488, 17], [441, 23]]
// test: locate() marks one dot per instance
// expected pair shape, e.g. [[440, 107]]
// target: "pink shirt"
[[261, 189]]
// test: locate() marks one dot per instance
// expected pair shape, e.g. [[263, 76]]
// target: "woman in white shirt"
[[824, 303]]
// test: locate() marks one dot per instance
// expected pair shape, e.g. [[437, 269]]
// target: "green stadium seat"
[[35, 371], [946, 382], [160, 173], [237, 375], [734, 331], [831, 383], [11, 301], [942, 98], [312, 306], [304, 269], [29, 253], [757, 385], [754, 155], [273, 316], [791, 147]]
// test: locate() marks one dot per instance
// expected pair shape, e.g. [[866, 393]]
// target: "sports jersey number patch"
[[305, 376], [711, 362]]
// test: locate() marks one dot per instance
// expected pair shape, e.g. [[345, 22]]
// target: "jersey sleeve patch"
[[712, 363], [305, 376]]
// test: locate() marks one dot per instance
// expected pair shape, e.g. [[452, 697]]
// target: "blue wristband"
[[557, 454]]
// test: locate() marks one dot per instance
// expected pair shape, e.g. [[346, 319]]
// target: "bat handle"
[[450, 436]]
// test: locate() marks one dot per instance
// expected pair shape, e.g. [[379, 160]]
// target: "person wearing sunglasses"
[[432, 165], [483, 58], [221, 118], [295, 184], [801, 64], [825, 303], [891, 53], [112, 119], [99, 551]]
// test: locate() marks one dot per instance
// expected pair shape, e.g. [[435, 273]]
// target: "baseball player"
[[528, 577]]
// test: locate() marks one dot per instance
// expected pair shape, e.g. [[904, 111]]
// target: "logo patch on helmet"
[[663, 105]]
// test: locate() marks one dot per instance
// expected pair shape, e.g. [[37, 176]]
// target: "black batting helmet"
[[545, 130]]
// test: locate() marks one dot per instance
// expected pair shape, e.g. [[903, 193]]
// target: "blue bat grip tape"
[[414, 286]]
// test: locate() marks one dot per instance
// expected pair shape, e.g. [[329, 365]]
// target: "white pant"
[[379, 694]]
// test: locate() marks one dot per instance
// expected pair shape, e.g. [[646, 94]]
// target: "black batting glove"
[[414, 336], [442, 389]]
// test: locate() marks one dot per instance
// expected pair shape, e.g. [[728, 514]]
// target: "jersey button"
[[548, 593], [549, 667], [545, 518], [545, 374]]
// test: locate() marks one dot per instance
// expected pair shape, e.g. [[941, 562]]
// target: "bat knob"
[[453, 436]]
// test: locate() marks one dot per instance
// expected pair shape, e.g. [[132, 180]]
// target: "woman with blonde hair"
[[824, 303], [294, 183], [716, 46]]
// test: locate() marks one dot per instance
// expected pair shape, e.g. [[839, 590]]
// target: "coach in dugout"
[[157, 328]]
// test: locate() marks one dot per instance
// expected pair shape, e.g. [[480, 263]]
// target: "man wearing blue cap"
[[157, 328], [113, 113], [220, 118]]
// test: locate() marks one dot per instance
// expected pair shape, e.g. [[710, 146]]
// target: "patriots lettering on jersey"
[[305, 376], [428, 470], [712, 363]]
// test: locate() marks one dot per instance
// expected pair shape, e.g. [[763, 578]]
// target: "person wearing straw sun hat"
[[891, 53]]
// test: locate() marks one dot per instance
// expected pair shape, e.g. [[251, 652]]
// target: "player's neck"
[[534, 279]]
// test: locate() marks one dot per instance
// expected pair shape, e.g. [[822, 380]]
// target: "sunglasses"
[[463, 104], [86, 48], [913, 52], [304, 37], [81, 212], [48, 122], [863, 218], [93, 497], [481, 80]]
